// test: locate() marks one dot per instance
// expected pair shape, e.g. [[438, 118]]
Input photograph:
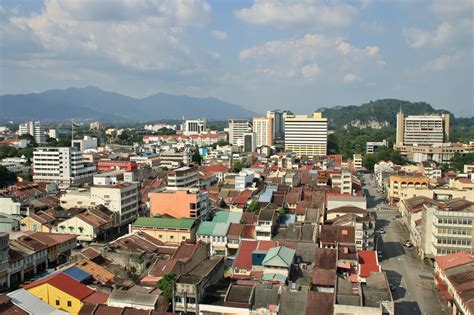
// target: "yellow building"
[[40, 222], [167, 230], [398, 183], [64, 293]]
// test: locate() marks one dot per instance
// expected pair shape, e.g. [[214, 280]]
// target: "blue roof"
[[266, 196], [77, 274], [227, 217]]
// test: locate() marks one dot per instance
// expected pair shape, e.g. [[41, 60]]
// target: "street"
[[415, 291]]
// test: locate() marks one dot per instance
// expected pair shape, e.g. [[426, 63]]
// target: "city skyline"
[[261, 55]]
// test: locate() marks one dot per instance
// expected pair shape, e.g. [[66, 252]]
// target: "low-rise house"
[[266, 222], [64, 293], [278, 263], [180, 203], [136, 300], [59, 246], [454, 277], [38, 222], [364, 229], [31, 304], [324, 272], [344, 200], [91, 225], [167, 230], [234, 237], [189, 288], [214, 233], [333, 235]]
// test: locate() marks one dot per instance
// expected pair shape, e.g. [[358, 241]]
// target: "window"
[[57, 302], [69, 303], [171, 237]]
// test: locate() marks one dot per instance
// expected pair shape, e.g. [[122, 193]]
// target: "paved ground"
[[415, 292]]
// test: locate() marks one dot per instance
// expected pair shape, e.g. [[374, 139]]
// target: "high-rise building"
[[278, 117], [250, 144], [422, 129], [194, 127], [237, 128], [62, 165], [263, 129], [306, 134], [33, 128]]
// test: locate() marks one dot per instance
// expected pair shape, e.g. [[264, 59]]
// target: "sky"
[[261, 54]]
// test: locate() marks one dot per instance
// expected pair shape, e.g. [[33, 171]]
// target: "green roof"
[[213, 228], [280, 256], [165, 223], [227, 217]]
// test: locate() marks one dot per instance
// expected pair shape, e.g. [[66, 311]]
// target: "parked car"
[[408, 244], [381, 231]]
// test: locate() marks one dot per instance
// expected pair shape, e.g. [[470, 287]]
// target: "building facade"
[[237, 128], [263, 129], [33, 128], [181, 203], [306, 134], [422, 129], [194, 127]]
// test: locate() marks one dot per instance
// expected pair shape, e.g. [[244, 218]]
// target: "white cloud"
[[443, 62], [452, 8], [310, 71], [418, 38], [290, 13], [142, 35], [351, 77], [372, 50], [305, 57], [220, 35]]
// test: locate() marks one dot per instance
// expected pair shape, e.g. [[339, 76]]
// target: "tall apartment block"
[[263, 129], [33, 128], [422, 129], [278, 127], [62, 165], [237, 128], [250, 144], [194, 127], [306, 134]]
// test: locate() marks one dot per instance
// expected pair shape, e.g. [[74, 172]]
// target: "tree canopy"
[[7, 178], [165, 284]]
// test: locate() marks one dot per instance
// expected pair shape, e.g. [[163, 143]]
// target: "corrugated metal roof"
[[135, 298], [165, 223], [77, 273], [280, 256], [274, 277], [213, 229], [227, 217], [31, 303]]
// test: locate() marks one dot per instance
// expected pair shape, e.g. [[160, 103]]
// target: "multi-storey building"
[[61, 165], [278, 126], [447, 227], [87, 143], [194, 127], [306, 134], [237, 128], [372, 147], [180, 203], [174, 158], [183, 177], [250, 143], [4, 260], [33, 128], [263, 129], [422, 129]]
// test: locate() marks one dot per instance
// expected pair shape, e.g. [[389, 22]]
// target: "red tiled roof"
[[244, 256], [96, 298], [64, 283], [368, 263], [162, 267], [453, 260], [235, 230], [52, 239], [324, 277], [186, 250], [248, 231], [319, 303], [215, 168], [243, 197]]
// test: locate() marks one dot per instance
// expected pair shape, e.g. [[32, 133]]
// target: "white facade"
[[194, 127], [8, 206], [87, 143], [371, 147], [263, 129], [243, 180], [122, 198], [346, 181], [33, 128], [237, 128], [306, 134], [61, 165]]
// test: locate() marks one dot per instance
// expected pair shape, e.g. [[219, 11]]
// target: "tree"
[[7, 178], [386, 154], [253, 206], [196, 156], [237, 166], [7, 151], [166, 284], [459, 160]]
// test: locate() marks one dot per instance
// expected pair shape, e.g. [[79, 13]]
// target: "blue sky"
[[262, 54]]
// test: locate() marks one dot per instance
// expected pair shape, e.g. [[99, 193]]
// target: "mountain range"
[[94, 103]]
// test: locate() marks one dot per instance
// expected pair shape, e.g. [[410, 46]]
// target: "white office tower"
[[250, 144], [194, 127], [237, 128], [422, 129], [306, 134], [278, 117], [263, 129], [62, 165], [33, 128], [87, 143]]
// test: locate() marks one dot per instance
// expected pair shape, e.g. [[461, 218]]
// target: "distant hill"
[[381, 113], [94, 103]]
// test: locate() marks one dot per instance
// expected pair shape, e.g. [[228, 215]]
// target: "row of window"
[[69, 303], [447, 241], [455, 221], [455, 231]]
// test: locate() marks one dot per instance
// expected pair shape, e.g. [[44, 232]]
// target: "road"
[[415, 292]]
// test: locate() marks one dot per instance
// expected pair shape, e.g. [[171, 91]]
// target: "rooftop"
[[165, 223]]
